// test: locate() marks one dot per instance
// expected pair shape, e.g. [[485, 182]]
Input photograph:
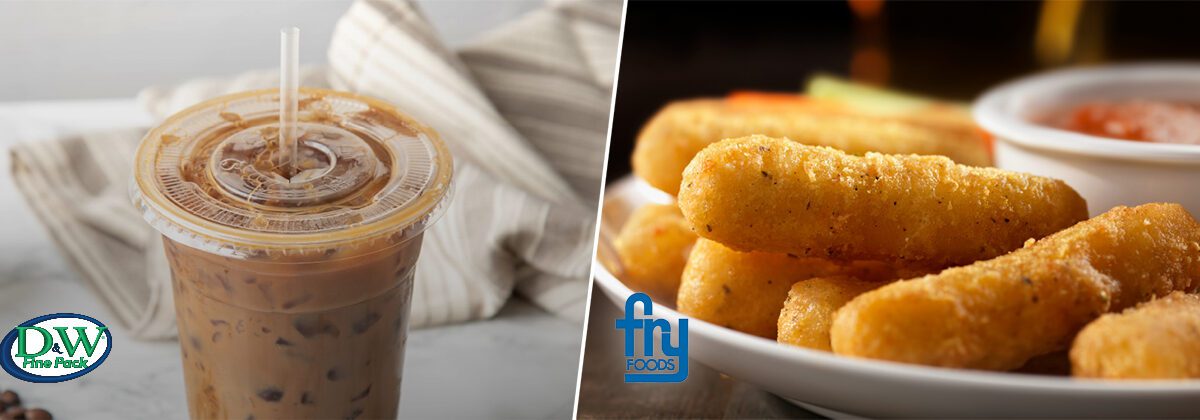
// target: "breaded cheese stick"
[[745, 290], [1159, 339], [997, 314], [672, 137], [807, 313], [653, 246], [764, 194]]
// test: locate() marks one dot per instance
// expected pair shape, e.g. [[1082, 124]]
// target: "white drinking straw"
[[289, 96]]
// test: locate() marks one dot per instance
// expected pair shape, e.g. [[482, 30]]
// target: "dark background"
[[954, 50]]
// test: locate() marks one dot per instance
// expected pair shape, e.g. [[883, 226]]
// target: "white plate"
[[873, 388]]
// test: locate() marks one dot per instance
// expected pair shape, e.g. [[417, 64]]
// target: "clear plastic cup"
[[292, 286]]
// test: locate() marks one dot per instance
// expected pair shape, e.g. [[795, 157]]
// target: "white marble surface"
[[522, 364]]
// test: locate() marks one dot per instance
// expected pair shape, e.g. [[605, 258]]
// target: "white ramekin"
[[1107, 172]]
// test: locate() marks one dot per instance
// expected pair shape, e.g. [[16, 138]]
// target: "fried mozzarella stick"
[[673, 136], [745, 290], [1159, 339], [997, 314], [808, 311], [764, 194], [653, 246], [742, 290]]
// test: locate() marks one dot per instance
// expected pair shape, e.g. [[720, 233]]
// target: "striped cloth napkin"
[[524, 110]]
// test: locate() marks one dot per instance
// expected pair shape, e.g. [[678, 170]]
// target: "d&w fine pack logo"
[[55, 348], [672, 365]]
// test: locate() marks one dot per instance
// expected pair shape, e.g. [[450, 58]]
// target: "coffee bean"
[[10, 398], [270, 394], [362, 325], [38, 414], [310, 326], [333, 374], [297, 301], [225, 284], [265, 288]]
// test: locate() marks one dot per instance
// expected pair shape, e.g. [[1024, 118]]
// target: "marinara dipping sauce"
[[1136, 120]]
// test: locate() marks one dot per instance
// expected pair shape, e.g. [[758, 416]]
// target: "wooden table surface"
[[706, 393]]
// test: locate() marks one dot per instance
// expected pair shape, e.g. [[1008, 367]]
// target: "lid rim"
[[177, 223]]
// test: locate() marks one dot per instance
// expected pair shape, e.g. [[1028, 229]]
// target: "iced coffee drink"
[[292, 283]]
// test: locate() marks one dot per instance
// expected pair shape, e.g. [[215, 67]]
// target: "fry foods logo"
[[55, 348], [672, 364]]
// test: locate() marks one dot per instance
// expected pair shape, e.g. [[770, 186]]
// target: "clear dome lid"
[[210, 176]]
